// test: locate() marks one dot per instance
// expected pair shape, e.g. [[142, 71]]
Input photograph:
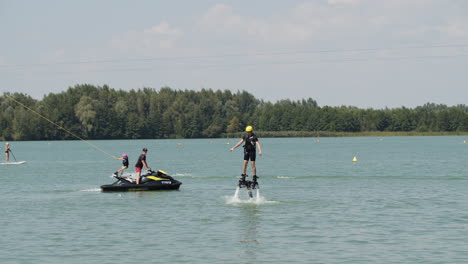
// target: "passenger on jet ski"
[[140, 163], [124, 160]]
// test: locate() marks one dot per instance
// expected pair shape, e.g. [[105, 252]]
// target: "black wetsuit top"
[[125, 162], [250, 142], [139, 163], [249, 147]]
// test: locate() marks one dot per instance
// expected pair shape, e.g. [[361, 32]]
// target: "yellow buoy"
[[354, 159], [464, 142]]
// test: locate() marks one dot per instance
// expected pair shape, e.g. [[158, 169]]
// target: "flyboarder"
[[251, 141]]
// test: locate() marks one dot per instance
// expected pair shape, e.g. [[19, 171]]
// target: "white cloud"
[[456, 27], [338, 23], [223, 22], [313, 23], [149, 41], [162, 29], [335, 2], [222, 14]]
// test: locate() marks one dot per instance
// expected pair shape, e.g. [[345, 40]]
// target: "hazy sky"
[[366, 53]]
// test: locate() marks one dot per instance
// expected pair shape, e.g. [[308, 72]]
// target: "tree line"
[[100, 112]]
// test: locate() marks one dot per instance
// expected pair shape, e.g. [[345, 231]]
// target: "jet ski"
[[151, 181]]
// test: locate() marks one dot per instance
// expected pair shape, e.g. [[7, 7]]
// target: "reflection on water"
[[249, 231]]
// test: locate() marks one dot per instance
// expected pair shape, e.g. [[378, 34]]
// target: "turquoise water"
[[404, 201]]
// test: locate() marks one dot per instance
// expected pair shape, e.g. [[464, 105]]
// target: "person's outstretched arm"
[[238, 144]]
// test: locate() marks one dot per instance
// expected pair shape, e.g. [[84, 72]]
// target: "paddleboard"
[[12, 163]]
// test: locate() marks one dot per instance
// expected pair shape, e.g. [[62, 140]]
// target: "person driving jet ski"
[[140, 163]]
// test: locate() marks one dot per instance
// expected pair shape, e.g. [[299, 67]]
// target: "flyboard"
[[253, 191], [250, 186], [13, 163]]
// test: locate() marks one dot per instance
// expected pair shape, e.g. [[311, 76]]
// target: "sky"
[[364, 53]]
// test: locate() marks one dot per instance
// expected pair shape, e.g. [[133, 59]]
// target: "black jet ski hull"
[[140, 187], [152, 181]]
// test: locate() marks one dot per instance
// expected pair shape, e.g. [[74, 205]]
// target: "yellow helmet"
[[248, 129]]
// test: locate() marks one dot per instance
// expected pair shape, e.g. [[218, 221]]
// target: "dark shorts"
[[250, 155]]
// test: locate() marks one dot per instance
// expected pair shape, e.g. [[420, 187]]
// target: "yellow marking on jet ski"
[[162, 171], [157, 178]]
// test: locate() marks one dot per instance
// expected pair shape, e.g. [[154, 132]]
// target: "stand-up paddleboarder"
[[7, 152]]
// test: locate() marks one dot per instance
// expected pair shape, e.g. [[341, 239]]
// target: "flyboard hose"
[[60, 127]]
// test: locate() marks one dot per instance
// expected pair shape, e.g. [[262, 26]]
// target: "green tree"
[[104, 113], [234, 125], [85, 112]]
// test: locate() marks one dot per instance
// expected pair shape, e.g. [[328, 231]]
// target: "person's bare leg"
[[121, 171], [138, 178], [7, 157], [244, 167], [254, 168]]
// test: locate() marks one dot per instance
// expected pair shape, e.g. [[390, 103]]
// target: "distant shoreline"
[[293, 134], [280, 134]]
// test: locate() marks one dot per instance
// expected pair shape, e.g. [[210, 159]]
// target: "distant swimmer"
[[124, 160], [7, 152], [251, 141], [140, 163]]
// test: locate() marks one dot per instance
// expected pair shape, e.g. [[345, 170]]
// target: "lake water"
[[404, 201]]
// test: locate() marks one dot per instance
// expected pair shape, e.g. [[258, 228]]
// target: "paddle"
[[13, 155]]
